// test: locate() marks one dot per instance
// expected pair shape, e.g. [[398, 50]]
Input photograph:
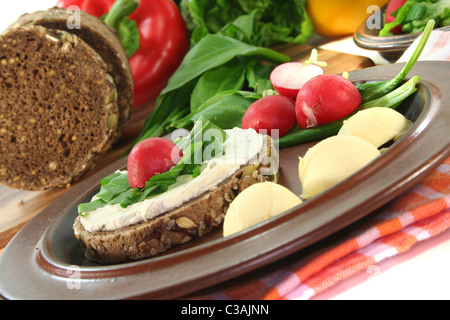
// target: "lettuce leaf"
[[261, 23]]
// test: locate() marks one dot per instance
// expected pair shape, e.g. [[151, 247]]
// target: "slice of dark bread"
[[103, 39], [58, 108], [192, 220]]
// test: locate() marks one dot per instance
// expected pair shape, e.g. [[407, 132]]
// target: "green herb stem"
[[394, 98], [375, 90]]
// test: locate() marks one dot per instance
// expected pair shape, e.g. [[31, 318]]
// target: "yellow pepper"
[[333, 18]]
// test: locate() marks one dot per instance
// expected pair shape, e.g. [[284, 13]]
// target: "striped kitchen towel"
[[419, 214]]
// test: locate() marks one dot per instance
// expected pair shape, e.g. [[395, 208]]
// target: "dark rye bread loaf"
[[192, 220], [58, 108], [103, 39]]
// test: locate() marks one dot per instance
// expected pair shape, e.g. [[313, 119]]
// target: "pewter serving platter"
[[44, 260]]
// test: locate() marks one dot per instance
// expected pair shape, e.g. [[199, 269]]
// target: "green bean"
[[309, 135]]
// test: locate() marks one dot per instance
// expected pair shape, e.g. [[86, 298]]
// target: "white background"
[[12, 9], [421, 273]]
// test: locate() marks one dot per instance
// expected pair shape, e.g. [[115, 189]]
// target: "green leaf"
[[226, 110], [227, 116], [197, 134], [230, 76], [125, 198], [241, 28], [417, 12], [115, 188], [261, 23], [90, 206], [152, 191], [192, 169], [306, 29], [402, 14], [213, 51], [196, 171], [109, 178], [258, 77]]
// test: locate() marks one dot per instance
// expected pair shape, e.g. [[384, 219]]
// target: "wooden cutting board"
[[19, 207]]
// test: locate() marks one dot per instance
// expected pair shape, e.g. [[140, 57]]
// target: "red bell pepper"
[[163, 39]]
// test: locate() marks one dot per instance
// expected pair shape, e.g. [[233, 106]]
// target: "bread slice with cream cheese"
[[191, 220]]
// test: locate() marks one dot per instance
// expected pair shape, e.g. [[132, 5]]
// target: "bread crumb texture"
[[58, 107], [103, 39]]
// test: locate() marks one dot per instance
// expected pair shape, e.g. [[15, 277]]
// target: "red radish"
[[271, 113], [325, 99], [391, 7], [288, 78], [149, 158]]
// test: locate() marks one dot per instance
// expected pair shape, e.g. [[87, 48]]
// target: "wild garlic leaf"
[[90, 206], [115, 189], [230, 76]]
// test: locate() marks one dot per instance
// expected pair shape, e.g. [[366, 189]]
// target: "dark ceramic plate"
[[391, 47], [44, 261]]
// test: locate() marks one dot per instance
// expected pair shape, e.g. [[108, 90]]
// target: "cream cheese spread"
[[241, 147]]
